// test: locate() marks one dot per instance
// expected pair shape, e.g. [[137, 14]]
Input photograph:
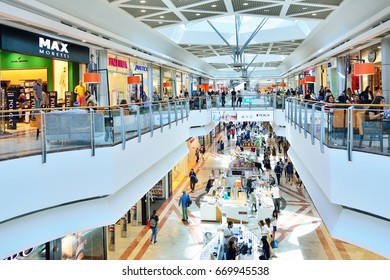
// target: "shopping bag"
[[274, 244]]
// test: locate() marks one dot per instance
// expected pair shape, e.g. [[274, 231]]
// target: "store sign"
[[53, 48], [140, 68], [117, 63], [16, 40], [11, 104]]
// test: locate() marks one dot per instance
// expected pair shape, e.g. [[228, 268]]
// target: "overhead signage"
[[240, 116], [117, 63], [140, 68], [20, 41]]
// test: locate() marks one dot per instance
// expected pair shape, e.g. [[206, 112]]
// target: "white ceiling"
[[293, 38]]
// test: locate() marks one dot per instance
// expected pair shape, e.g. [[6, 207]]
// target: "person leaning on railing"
[[376, 113]]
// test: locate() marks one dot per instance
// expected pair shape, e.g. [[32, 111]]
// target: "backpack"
[[189, 201], [153, 223]]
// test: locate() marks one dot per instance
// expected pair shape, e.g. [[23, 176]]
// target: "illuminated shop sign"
[[53, 48], [140, 68], [117, 63], [20, 41]]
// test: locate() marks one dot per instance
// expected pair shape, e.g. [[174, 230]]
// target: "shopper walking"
[[183, 202], [154, 226], [193, 179], [276, 195], [197, 152]]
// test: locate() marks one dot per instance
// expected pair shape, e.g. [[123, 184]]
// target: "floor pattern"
[[301, 232]]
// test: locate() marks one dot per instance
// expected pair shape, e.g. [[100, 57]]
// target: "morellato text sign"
[[16, 40]]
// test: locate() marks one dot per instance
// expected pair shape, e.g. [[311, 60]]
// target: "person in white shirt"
[[276, 195], [252, 200], [228, 233]]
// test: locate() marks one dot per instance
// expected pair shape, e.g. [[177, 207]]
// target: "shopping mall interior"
[[158, 80]]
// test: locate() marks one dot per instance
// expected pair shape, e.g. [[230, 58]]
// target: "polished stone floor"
[[301, 234]]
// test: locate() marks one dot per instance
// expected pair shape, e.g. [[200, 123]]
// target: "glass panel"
[[145, 117], [69, 129], [165, 113], [18, 135]]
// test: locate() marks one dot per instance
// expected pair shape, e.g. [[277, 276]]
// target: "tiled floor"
[[301, 234]]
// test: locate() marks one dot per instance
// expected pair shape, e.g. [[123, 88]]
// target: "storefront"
[[118, 71], [86, 245], [156, 80], [168, 83], [27, 56], [140, 69], [372, 55]]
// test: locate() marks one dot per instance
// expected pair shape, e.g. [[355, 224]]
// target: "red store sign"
[[117, 63]]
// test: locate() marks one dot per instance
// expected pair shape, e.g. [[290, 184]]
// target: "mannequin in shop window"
[[63, 83]]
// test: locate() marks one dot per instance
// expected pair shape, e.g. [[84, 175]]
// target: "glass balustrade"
[[341, 126]]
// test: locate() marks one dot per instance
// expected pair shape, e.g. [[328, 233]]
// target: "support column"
[[385, 49], [103, 85], [150, 81], [341, 84]]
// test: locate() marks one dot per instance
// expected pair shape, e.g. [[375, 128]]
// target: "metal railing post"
[[161, 117], [300, 119], [313, 125], [181, 111], [188, 108], [350, 133], [138, 124], [43, 138], [151, 120], [305, 125], [93, 145], [175, 107], [322, 129], [169, 113], [122, 117]]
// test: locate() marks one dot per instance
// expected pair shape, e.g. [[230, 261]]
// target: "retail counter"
[[214, 249]]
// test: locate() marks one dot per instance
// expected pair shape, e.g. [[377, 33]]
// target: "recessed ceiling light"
[[304, 8], [214, 6], [197, 14], [84, 41], [266, 10], [160, 22], [142, 1], [313, 14], [143, 11], [245, 4], [161, 16]]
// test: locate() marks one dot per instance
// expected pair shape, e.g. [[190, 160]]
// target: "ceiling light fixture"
[[214, 6], [142, 1], [143, 11], [198, 14], [266, 10], [245, 4], [313, 14], [160, 22], [304, 8], [161, 16]]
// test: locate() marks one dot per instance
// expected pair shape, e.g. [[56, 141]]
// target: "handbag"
[[274, 244], [189, 202], [196, 180]]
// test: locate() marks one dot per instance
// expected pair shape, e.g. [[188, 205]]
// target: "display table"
[[214, 249], [213, 208]]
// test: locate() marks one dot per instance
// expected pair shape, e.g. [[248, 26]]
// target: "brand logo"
[[53, 48], [140, 68], [19, 60], [117, 63]]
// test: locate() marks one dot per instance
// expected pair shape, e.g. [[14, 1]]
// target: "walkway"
[[301, 234]]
